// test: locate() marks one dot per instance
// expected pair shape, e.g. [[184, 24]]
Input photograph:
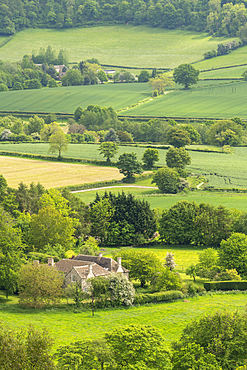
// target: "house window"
[[73, 279]]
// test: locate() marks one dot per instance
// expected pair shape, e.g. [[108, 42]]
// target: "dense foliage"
[[218, 341], [223, 19], [187, 223], [122, 220]]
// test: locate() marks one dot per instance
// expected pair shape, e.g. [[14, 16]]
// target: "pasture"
[[165, 201], [125, 45], [236, 57], [67, 99], [208, 99], [233, 72], [222, 170], [170, 318], [52, 174]]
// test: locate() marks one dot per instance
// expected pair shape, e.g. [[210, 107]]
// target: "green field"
[[184, 257], [236, 57], [225, 166], [234, 72], [66, 326], [126, 45], [67, 99], [208, 99], [156, 200]]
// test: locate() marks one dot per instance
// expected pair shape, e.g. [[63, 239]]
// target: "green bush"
[[226, 285], [166, 296]]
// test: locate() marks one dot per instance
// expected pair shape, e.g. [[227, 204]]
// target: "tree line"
[[218, 18]]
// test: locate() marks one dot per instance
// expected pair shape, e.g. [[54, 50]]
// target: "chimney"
[[90, 273], [119, 262], [35, 262], [51, 261]]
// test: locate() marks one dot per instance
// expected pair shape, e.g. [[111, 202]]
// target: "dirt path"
[[114, 187]]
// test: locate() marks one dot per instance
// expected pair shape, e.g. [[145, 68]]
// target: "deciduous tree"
[[186, 74], [58, 142], [129, 166], [108, 150], [149, 157], [39, 285]]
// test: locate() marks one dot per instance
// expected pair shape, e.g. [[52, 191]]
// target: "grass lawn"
[[208, 99], [230, 168], [66, 326], [67, 99], [124, 45], [52, 174]]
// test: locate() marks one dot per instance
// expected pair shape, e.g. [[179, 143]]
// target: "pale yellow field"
[[53, 174]]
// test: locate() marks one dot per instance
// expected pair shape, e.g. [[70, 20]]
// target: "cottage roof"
[[65, 265], [105, 262], [97, 270]]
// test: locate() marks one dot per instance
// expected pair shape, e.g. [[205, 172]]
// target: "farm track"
[[114, 187]]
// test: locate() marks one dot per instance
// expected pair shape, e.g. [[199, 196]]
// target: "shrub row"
[[226, 285], [166, 296], [230, 190], [55, 159]]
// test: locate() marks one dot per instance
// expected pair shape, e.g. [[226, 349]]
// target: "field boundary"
[[56, 159]]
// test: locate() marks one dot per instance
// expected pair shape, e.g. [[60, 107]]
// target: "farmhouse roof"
[[97, 270], [105, 262], [65, 265]]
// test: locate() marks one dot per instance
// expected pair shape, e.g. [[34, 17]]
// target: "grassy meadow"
[[170, 318], [164, 201], [67, 99], [222, 170], [236, 57], [52, 174], [125, 45], [208, 99], [184, 257], [233, 72]]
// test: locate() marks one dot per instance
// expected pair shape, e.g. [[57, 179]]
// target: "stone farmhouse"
[[83, 267]]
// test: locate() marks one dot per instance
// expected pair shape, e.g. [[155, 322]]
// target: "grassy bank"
[[66, 326]]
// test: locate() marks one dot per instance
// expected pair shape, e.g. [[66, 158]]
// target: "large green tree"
[[186, 74], [49, 226], [129, 165], [39, 285], [108, 150], [149, 157], [143, 265], [222, 335], [168, 180], [138, 347], [177, 158]]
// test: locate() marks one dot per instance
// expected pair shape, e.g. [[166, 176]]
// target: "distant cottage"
[[82, 267]]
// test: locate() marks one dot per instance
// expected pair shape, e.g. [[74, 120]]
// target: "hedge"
[[102, 183], [226, 285], [56, 159], [166, 296]]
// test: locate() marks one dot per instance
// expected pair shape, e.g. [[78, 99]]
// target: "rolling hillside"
[[125, 45]]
